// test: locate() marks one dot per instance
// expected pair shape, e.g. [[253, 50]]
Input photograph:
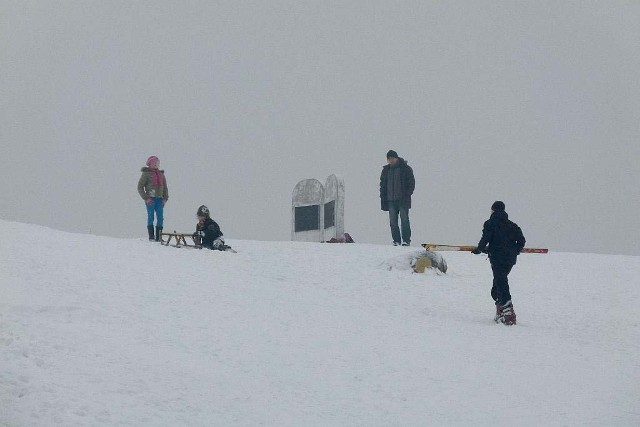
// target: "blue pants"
[[395, 208], [156, 207]]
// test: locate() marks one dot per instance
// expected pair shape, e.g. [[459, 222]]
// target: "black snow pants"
[[500, 290]]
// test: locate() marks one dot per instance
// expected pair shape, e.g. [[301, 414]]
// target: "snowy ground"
[[102, 331]]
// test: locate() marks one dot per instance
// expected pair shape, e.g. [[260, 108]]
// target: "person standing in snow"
[[152, 187], [396, 187], [208, 233], [505, 242]]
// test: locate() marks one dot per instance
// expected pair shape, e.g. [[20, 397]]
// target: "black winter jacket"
[[407, 184], [504, 237], [207, 232]]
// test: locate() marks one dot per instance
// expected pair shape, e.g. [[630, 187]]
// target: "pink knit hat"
[[151, 159]]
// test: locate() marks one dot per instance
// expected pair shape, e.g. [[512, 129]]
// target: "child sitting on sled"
[[208, 234]]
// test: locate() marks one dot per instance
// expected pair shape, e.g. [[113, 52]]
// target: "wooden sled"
[[180, 240]]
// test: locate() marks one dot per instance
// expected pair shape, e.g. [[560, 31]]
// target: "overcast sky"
[[533, 103]]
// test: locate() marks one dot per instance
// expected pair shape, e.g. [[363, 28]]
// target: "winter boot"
[[508, 314], [158, 234], [498, 316], [150, 230]]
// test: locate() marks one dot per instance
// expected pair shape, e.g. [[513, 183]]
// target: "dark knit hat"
[[392, 153], [497, 206]]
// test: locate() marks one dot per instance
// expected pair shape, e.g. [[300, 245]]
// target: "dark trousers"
[[395, 209], [500, 290]]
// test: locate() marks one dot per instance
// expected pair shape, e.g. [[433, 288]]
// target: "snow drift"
[[104, 331]]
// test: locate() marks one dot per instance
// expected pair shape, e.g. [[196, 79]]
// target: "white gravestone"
[[307, 213], [333, 207]]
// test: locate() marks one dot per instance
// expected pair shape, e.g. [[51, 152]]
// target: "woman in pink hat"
[[153, 189]]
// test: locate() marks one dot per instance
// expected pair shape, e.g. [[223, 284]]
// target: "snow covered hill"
[[102, 331]]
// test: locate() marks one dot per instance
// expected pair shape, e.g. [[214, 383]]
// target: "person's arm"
[[383, 190], [487, 233], [142, 184], [166, 188], [215, 231], [411, 181], [520, 242]]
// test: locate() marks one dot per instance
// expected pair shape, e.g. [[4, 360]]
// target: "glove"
[[197, 238], [476, 251], [149, 201]]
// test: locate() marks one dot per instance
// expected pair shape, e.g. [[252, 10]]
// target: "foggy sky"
[[533, 103]]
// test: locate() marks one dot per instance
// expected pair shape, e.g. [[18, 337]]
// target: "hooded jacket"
[[504, 237], [208, 231], [402, 182], [152, 183]]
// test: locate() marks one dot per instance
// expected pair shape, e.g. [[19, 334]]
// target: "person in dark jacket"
[[505, 241], [208, 233], [396, 187]]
